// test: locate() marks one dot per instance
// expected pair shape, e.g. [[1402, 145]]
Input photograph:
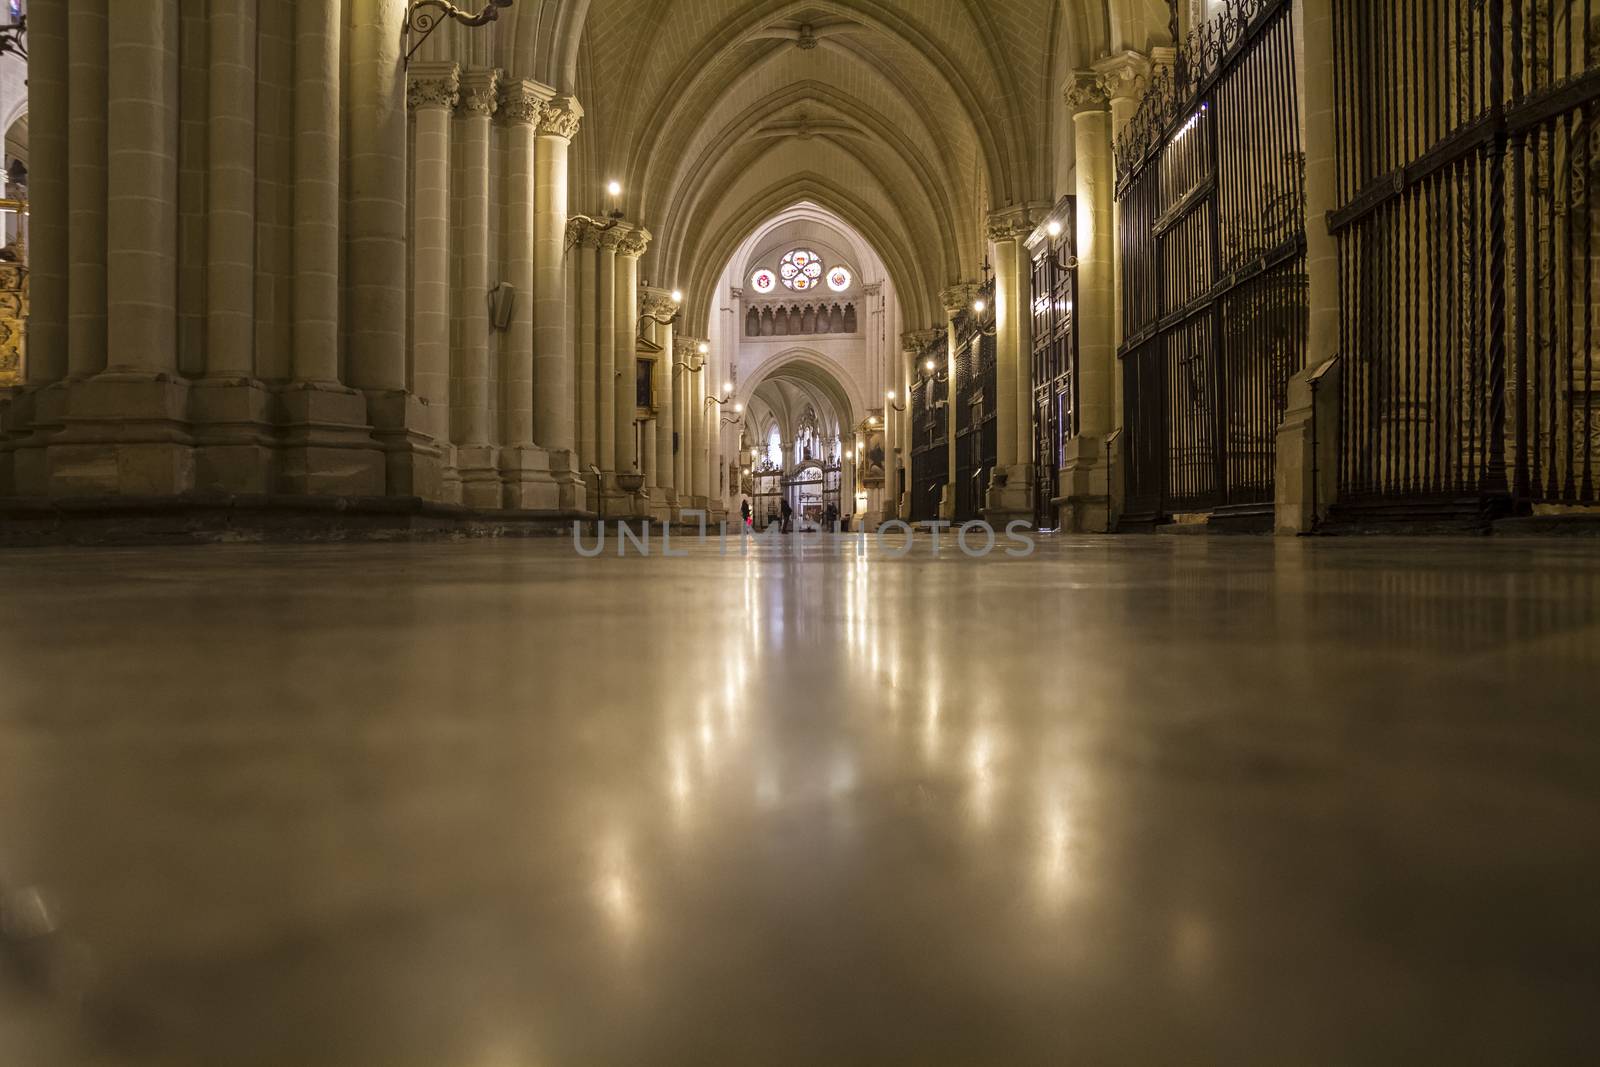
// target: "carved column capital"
[[736, 293], [1125, 76], [1085, 93], [583, 232], [1015, 222], [478, 92], [560, 117], [657, 303], [521, 102], [957, 298], [633, 241], [433, 85]]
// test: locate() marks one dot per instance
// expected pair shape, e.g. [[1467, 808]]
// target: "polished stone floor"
[[490, 804]]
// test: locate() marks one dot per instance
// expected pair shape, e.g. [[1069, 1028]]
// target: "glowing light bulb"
[[1054, 229], [704, 348], [978, 306], [677, 296], [727, 387], [614, 188], [738, 408], [929, 364], [889, 395]]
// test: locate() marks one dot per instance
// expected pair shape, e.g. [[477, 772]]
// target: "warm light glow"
[[1053, 229], [872, 420], [929, 364], [889, 395], [704, 348], [739, 408], [978, 306], [727, 387], [677, 296], [614, 188]]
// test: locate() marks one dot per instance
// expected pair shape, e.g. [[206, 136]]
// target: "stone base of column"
[[571, 494], [29, 421], [1306, 468], [412, 462], [328, 448], [479, 468], [947, 503], [1010, 496], [449, 474], [663, 505], [235, 443], [1085, 484], [123, 434], [527, 482]]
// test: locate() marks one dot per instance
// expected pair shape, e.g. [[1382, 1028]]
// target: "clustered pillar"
[[375, 265]]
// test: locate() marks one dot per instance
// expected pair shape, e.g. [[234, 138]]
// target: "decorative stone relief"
[[560, 117]]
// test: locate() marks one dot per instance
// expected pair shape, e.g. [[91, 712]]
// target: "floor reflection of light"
[[981, 761], [1055, 852], [680, 785], [615, 890], [768, 792], [1192, 945]]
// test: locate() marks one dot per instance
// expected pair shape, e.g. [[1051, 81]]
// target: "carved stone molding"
[[1014, 223], [1125, 76], [522, 102], [479, 94], [1085, 93], [736, 292], [634, 241], [560, 117], [433, 85], [583, 232], [872, 288], [611, 240], [917, 340], [958, 298], [657, 303]]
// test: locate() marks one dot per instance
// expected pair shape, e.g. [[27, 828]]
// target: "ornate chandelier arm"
[[424, 16]]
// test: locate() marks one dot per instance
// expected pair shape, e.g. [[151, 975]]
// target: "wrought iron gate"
[[930, 436], [976, 437], [1055, 365], [1211, 184], [1468, 152]]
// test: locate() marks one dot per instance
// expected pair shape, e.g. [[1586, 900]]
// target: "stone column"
[[1312, 415], [86, 173], [230, 410], [605, 419], [1011, 491], [657, 307], [635, 240], [328, 449], [1084, 481], [955, 299], [553, 409], [524, 465], [434, 90], [316, 193], [469, 386], [699, 409], [584, 241], [125, 431], [375, 251]]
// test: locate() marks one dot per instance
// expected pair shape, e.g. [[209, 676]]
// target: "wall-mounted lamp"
[[424, 16], [889, 396]]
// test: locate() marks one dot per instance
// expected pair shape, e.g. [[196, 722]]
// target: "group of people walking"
[[785, 518]]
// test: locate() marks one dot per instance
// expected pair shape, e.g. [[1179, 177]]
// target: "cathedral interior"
[[765, 532]]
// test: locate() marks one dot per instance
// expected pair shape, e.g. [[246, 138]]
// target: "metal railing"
[[1211, 183]]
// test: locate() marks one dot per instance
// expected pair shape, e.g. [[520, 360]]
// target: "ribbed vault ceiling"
[[909, 119]]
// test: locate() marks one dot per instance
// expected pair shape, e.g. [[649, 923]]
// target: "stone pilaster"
[[470, 396], [660, 310], [955, 300], [125, 430], [1011, 490], [433, 90], [229, 409], [606, 353], [584, 242], [1085, 488], [527, 484], [1308, 439], [87, 174], [554, 422]]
